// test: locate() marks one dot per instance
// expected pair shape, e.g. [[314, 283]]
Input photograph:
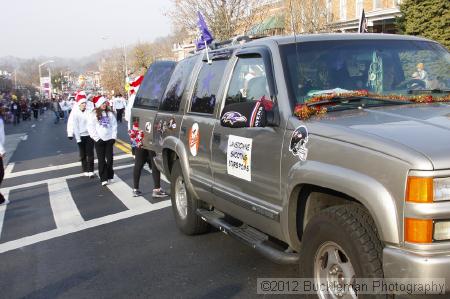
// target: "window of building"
[[358, 8], [343, 9], [377, 4], [207, 86], [177, 84]]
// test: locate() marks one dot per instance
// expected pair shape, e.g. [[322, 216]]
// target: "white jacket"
[[128, 110], [2, 137], [104, 129], [77, 123], [118, 103]]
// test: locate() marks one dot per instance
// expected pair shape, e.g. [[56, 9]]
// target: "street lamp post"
[[40, 75]]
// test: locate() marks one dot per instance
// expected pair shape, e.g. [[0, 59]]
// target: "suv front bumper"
[[398, 263]]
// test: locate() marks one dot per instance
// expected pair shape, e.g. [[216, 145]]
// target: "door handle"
[[216, 137]]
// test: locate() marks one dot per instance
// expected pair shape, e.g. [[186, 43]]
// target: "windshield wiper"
[[427, 91], [352, 99], [335, 100]]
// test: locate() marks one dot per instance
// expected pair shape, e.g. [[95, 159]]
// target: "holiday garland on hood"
[[305, 110]]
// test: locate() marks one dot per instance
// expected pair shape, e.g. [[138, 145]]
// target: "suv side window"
[[207, 85], [152, 88], [248, 82], [177, 84]]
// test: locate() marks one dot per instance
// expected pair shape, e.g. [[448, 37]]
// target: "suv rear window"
[[207, 86], [177, 84], [154, 84]]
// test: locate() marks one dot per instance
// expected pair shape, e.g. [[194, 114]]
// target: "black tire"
[[353, 229], [192, 224]]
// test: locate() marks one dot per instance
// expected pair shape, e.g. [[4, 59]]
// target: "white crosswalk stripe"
[[66, 214], [64, 208], [123, 192], [3, 210]]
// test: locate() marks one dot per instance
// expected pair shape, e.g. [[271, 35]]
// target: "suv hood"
[[395, 130]]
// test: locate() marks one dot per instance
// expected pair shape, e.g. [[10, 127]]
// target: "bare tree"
[[225, 18], [308, 16], [112, 71]]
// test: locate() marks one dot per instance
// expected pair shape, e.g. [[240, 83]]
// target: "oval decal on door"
[[148, 127], [194, 139]]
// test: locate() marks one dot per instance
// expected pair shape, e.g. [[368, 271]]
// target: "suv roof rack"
[[231, 42]]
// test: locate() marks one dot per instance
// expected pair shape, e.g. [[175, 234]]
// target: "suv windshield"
[[382, 67]]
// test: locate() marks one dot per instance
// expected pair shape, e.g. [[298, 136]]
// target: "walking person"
[[142, 156], [56, 109], [119, 104], [102, 127], [65, 107], [3, 201], [77, 127], [15, 110], [35, 107]]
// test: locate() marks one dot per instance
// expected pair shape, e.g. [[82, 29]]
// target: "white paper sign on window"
[[239, 157]]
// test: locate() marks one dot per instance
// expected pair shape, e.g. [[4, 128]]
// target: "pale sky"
[[77, 28]]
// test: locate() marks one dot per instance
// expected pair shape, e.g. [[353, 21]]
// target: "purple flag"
[[204, 34]]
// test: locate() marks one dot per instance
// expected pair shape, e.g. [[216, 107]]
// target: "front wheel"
[[184, 206], [339, 245]]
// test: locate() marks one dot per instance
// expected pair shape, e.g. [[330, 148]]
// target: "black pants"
[[141, 157], [119, 114], [35, 113], [86, 147], [2, 174], [104, 151]]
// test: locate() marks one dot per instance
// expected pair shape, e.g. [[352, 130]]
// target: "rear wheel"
[[184, 206], [339, 245]]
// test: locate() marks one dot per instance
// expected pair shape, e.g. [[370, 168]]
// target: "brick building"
[[380, 14]]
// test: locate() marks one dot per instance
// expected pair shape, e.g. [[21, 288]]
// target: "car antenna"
[[297, 58]]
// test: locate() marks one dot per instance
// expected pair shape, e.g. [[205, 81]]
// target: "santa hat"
[[98, 101], [80, 97]]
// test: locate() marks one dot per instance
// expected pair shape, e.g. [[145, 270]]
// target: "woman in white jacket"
[[77, 126], [102, 127], [3, 201]]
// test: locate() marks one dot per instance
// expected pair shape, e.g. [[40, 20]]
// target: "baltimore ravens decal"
[[233, 117], [298, 143], [148, 127]]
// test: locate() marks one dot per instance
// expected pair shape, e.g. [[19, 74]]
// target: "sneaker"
[[136, 193], [86, 174], [4, 203], [159, 193], [104, 183], [91, 175], [110, 181]]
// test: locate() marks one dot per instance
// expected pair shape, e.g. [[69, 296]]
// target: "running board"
[[250, 236]]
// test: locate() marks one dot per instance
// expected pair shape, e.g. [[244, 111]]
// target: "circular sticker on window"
[[194, 139]]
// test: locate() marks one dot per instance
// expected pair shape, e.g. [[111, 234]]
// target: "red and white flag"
[[134, 85]]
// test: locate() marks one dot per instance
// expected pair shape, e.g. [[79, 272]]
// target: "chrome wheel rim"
[[334, 270], [181, 197]]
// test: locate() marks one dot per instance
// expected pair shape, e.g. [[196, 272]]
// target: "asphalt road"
[[65, 236]]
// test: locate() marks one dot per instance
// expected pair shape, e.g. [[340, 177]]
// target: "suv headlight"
[[427, 190], [441, 189]]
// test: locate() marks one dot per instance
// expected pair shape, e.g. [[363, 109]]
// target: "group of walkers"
[[93, 124], [15, 109]]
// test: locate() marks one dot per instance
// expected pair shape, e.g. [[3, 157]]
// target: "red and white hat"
[[80, 97], [99, 100]]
